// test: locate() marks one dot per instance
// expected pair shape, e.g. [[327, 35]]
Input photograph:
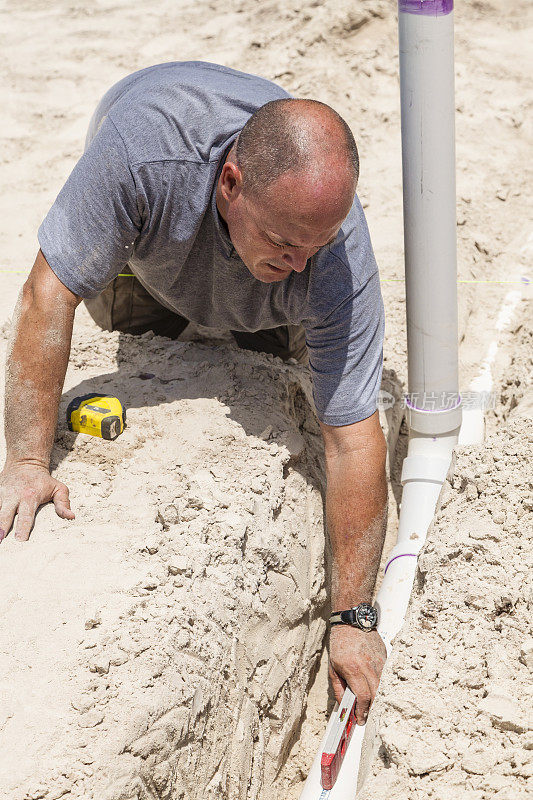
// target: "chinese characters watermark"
[[438, 401]]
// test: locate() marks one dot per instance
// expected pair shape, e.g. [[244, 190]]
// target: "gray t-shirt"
[[142, 199]]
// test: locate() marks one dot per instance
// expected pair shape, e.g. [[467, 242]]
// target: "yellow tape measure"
[[97, 415]]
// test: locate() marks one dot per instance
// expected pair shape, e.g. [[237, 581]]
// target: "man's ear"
[[230, 181]]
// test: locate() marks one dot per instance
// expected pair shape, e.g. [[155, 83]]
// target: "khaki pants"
[[126, 306]]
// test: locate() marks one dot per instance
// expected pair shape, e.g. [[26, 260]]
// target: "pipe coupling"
[[433, 422], [425, 468]]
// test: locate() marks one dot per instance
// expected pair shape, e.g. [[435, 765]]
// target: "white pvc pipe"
[[434, 406], [428, 159], [424, 471], [473, 427]]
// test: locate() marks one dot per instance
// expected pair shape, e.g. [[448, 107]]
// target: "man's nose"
[[296, 259]]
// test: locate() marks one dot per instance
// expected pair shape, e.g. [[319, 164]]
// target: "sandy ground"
[[186, 600], [454, 717], [111, 627]]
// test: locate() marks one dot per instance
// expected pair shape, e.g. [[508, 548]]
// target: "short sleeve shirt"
[[142, 198]]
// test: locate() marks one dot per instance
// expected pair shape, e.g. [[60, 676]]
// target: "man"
[[234, 206]]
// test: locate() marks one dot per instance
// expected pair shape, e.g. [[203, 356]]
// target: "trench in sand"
[[130, 599], [53, 84]]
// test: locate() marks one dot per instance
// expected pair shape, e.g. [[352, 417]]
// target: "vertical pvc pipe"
[[428, 156], [434, 406]]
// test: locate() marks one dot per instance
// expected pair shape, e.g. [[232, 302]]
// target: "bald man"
[[233, 206]]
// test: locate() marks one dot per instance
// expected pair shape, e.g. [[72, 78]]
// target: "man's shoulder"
[[188, 111]]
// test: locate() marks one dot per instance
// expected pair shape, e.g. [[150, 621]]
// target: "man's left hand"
[[356, 658]]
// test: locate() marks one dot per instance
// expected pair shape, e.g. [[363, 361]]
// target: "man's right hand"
[[23, 488], [35, 371]]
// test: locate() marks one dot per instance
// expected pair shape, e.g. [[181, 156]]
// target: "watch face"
[[366, 616]]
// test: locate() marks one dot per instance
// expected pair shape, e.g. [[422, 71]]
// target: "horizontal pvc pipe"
[[425, 469], [473, 427], [423, 473]]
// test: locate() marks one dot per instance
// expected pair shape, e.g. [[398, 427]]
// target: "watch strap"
[[349, 617], [346, 617]]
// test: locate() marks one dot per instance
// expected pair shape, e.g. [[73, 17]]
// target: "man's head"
[[287, 185]]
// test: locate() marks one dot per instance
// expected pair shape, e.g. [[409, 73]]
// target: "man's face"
[[277, 233]]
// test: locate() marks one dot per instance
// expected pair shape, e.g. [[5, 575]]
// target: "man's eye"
[[276, 244]]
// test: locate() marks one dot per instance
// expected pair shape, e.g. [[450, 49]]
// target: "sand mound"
[[454, 713], [162, 644]]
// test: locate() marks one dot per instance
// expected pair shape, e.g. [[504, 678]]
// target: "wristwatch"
[[364, 616]]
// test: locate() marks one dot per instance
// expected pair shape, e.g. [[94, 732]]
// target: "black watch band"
[[364, 616], [343, 617]]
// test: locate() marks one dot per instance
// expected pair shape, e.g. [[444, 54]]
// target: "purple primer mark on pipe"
[[429, 8], [402, 555]]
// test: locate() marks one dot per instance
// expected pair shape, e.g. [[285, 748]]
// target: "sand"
[[455, 714], [163, 644], [454, 717], [186, 598]]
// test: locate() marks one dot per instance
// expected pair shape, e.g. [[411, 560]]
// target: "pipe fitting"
[[425, 468], [433, 422]]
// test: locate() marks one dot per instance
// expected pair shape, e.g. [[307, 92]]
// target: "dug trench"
[[162, 645], [67, 598], [453, 716]]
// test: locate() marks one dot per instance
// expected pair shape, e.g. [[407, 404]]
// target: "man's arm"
[[356, 503], [35, 372]]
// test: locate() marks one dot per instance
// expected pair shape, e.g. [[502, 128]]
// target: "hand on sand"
[[356, 658], [23, 488]]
